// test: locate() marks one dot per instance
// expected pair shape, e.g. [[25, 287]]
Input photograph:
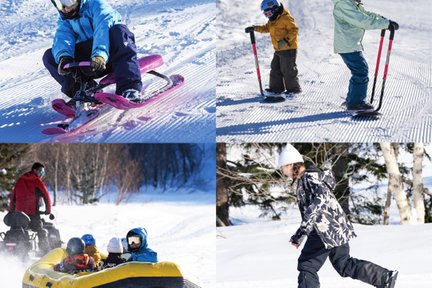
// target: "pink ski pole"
[[252, 37]]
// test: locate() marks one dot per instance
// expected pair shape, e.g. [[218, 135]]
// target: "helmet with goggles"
[[68, 8], [270, 7]]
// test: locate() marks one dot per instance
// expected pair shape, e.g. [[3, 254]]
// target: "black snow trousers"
[[36, 225], [283, 73], [314, 254]]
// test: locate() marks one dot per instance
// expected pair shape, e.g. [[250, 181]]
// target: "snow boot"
[[360, 107], [389, 279], [132, 95]]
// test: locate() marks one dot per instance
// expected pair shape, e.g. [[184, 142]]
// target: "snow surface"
[[257, 253], [180, 228], [181, 31], [316, 114]]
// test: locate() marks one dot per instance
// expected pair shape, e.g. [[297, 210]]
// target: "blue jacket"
[[95, 18], [144, 254]]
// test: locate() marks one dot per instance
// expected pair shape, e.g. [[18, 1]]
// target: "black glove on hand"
[[298, 237], [98, 64], [63, 61], [393, 25], [250, 29], [283, 44], [51, 217]]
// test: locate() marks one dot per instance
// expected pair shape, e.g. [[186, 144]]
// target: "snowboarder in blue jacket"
[[93, 30], [137, 246]]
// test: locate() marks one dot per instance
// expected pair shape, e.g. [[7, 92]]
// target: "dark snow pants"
[[36, 225], [122, 61], [314, 254], [358, 84], [283, 73]]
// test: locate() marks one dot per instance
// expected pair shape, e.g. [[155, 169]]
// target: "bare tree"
[[419, 206], [395, 186], [222, 207]]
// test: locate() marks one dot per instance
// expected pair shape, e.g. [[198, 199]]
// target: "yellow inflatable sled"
[[126, 275]]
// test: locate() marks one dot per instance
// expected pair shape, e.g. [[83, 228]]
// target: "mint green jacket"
[[351, 21]]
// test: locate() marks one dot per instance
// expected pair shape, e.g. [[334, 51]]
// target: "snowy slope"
[[316, 114], [180, 228], [258, 254], [181, 31]]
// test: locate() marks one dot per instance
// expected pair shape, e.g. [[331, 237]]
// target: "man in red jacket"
[[27, 196]]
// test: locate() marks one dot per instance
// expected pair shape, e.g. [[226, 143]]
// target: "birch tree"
[[418, 199], [395, 186]]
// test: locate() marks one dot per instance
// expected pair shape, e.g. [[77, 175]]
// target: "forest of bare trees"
[[249, 179], [84, 173]]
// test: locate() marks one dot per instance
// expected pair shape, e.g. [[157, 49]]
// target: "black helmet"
[[75, 245]]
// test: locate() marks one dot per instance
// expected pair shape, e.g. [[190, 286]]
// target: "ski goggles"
[[134, 240], [41, 172], [62, 4], [268, 13]]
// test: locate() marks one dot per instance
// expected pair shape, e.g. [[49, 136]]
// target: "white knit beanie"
[[289, 155], [115, 245]]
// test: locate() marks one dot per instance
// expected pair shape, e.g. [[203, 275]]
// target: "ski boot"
[[389, 279]]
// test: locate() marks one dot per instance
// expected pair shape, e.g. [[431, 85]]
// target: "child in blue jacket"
[[93, 30], [137, 246]]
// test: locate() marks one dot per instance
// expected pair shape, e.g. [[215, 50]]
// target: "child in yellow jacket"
[[283, 32], [90, 248]]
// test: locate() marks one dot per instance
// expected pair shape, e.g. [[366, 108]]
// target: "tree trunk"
[[419, 207], [222, 207], [395, 186], [339, 169]]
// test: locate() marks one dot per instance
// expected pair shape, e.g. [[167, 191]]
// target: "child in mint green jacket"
[[351, 20]]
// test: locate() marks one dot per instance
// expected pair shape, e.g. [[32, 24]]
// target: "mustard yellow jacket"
[[283, 27], [92, 251]]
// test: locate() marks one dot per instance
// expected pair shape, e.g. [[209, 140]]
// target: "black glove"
[[63, 61], [51, 217], [250, 29], [98, 64], [298, 237], [393, 25], [283, 44]]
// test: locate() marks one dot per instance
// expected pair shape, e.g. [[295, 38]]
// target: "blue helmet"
[[88, 239], [75, 246], [269, 7]]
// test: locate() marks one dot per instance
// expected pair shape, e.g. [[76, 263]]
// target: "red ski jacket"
[[28, 191]]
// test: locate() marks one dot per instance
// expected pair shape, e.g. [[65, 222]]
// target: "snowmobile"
[[20, 241], [85, 106]]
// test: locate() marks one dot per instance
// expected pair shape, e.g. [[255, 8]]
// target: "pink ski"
[[122, 103]]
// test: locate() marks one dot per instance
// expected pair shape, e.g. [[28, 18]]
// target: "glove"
[[63, 61], [51, 217], [98, 64], [250, 29], [393, 25], [297, 238], [283, 44]]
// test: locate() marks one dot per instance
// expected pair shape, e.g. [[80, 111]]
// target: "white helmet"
[[289, 155]]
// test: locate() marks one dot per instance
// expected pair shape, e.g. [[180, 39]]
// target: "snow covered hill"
[[180, 228], [257, 254], [181, 31], [316, 114]]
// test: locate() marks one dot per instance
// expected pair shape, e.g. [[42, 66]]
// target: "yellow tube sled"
[[126, 275]]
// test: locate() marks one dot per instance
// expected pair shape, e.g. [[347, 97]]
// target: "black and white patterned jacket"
[[320, 209]]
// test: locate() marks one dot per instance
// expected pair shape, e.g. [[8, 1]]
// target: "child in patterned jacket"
[[326, 226]]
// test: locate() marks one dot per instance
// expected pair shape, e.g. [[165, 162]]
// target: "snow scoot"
[[19, 241], [268, 97], [375, 113], [88, 97]]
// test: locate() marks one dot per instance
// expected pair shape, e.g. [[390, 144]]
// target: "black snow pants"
[[36, 225], [314, 254], [283, 73], [122, 61]]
